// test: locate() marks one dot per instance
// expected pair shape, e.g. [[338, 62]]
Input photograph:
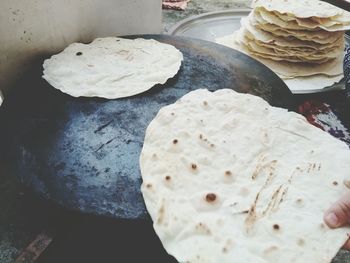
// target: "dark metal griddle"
[[83, 153]]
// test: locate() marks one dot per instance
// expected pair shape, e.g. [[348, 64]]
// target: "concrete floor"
[[20, 215]]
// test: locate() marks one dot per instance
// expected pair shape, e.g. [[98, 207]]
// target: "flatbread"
[[267, 37], [317, 36], [300, 8], [228, 178], [271, 18], [311, 83], [112, 67], [304, 51], [274, 54], [312, 22], [266, 45], [306, 13], [286, 69]]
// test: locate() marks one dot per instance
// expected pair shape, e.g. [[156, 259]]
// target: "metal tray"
[[211, 25]]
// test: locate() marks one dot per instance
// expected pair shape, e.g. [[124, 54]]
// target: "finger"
[[347, 245], [339, 213]]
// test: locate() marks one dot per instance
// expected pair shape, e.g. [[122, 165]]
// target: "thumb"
[[339, 213]]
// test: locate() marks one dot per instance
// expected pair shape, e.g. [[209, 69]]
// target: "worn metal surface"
[[83, 153]]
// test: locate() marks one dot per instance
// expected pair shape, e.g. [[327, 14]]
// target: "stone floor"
[[21, 217]]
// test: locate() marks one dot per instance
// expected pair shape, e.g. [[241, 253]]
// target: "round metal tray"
[[211, 25]]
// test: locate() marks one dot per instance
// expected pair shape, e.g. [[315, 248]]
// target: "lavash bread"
[[228, 178], [112, 67], [286, 69], [294, 38], [304, 14]]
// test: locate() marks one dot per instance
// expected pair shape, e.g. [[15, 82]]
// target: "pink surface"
[[175, 4]]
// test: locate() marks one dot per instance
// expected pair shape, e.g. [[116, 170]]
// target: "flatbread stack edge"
[[112, 67], [294, 38], [228, 178]]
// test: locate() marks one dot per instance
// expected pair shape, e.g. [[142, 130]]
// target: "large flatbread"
[[275, 54], [267, 37], [228, 178], [285, 69], [311, 83], [334, 51], [318, 36], [271, 18], [112, 67], [300, 8], [315, 36], [303, 14]]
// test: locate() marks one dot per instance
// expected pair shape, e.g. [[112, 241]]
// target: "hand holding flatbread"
[[338, 215], [228, 178]]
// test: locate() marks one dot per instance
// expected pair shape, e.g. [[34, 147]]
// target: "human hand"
[[338, 215]]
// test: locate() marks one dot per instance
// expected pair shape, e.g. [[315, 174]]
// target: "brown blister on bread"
[[276, 227], [194, 166], [211, 197], [167, 178], [206, 141]]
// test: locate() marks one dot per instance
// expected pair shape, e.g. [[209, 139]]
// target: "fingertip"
[[332, 220]]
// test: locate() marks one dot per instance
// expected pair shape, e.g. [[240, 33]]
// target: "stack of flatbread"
[[294, 38]]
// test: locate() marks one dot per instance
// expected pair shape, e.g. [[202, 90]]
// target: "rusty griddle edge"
[[82, 153]]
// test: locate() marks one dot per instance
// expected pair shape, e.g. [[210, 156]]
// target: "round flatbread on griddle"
[[112, 67]]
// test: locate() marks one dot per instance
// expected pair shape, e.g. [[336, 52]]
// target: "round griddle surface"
[[83, 153]]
